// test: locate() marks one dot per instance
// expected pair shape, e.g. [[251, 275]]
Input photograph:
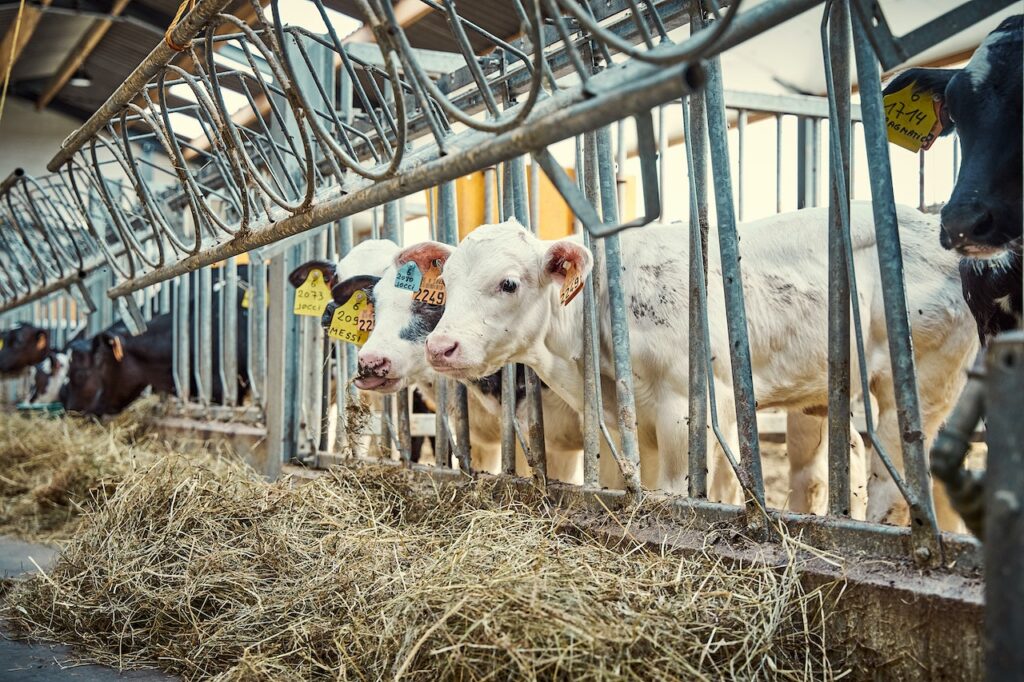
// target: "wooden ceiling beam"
[[76, 57], [17, 36]]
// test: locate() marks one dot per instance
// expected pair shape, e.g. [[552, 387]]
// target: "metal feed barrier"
[[330, 130]]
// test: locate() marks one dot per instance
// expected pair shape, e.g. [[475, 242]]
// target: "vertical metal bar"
[[182, 338], [695, 132], [586, 172], [956, 157], [778, 163], [626, 405], [924, 530], [393, 231], [735, 310], [741, 134], [258, 319], [535, 429], [662, 151], [279, 395], [508, 372], [229, 332], [838, 282], [1004, 515], [920, 181], [204, 351]]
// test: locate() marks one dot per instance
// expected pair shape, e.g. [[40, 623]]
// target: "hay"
[[369, 573], [50, 467]]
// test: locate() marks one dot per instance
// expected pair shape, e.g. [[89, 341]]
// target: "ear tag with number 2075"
[[353, 321]]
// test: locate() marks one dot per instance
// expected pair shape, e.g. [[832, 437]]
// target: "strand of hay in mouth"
[[370, 573], [50, 467]]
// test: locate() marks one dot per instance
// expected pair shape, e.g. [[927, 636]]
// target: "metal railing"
[[329, 129]]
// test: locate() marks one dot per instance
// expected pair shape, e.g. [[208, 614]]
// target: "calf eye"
[[509, 286]]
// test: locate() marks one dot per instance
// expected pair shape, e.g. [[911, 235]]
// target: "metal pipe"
[[586, 173], [629, 460], [735, 309], [890, 260], [838, 282]]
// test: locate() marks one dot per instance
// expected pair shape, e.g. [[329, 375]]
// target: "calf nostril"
[[450, 351]]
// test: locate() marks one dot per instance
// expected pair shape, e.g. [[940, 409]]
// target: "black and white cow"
[[983, 218]]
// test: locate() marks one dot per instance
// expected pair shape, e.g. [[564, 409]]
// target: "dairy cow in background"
[[983, 219], [22, 347]]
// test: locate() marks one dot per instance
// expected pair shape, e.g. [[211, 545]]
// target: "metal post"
[[741, 133], [229, 332], [586, 172], [508, 372], [1004, 516], [626, 405], [838, 282], [923, 526], [735, 310]]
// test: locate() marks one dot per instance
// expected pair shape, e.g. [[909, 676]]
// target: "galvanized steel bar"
[[1004, 509], [587, 176], [629, 459], [890, 259], [735, 310], [838, 282]]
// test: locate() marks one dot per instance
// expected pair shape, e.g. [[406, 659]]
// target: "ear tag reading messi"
[[353, 321], [431, 289], [912, 118], [312, 296], [409, 277], [572, 285]]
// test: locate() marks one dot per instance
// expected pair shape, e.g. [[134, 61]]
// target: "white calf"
[[393, 358], [503, 306]]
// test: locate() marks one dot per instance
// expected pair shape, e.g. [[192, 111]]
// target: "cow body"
[[984, 218], [503, 306]]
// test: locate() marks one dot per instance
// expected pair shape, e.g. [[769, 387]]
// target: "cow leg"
[[858, 476], [725, 487], [672, 454], [608, 473], [807, 449], [565, 466]]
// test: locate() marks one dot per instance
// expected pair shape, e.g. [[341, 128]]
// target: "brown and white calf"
[[503, 306]]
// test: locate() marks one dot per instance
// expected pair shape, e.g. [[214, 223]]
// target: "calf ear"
[[327, 270], [343, 291], [564, 256], [933, 81], [425, 254], [42, 340]]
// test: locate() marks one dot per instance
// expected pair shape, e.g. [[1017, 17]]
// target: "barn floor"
[[22, 662]]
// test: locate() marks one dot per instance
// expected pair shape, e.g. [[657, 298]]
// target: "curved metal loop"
[[100, 237], [305, 159], [343, 156], [412, 66], [707, 38]]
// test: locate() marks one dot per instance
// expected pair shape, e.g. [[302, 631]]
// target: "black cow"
[[983, 218], [21, 348], [112, 369]]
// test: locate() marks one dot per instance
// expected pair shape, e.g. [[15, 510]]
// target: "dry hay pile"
[[368, 573], [50, 467]]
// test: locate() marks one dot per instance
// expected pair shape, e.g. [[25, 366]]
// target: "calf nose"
[[373, 364], [964, 223], [442, 350]]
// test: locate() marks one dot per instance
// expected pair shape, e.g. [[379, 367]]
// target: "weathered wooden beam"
[[79, 53], [18, 35]]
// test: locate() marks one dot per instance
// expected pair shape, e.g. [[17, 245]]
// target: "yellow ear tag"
[[312, 296], [1, 344], [245, 299], [353, 321], [572, 285], [431, 289], [912, 118], [118, 349]]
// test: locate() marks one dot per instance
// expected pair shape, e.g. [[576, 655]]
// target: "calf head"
[[982, 102], [105, 376], [50, 376], [22, 347], [393, 358], [85, 382], [503, 285]]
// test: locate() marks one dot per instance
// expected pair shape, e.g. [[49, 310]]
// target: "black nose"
[[966, 222]]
